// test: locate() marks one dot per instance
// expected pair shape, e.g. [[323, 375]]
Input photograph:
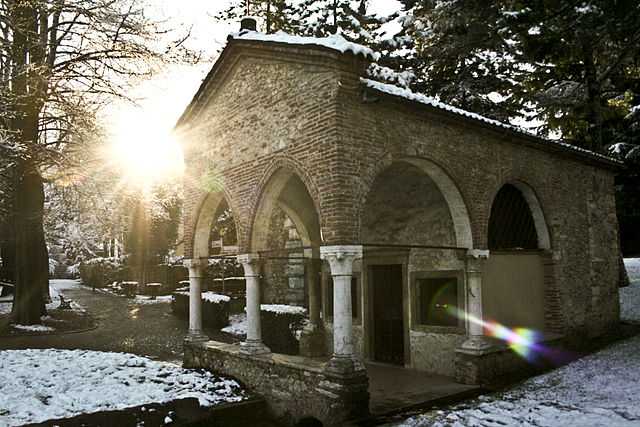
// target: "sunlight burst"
[[146, 151]]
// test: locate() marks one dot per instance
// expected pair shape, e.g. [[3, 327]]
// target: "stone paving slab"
[[394, 388]]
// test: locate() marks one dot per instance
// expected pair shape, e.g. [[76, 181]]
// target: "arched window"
[[511, 225]]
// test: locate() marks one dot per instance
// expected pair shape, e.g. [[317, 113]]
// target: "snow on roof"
[[335, 42], [428, 100]]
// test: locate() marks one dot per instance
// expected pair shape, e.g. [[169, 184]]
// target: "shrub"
[[99, 272], [280, 327], [215, 308]]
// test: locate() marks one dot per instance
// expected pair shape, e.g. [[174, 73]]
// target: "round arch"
[[535, 208], [286, 190], [449, 190]]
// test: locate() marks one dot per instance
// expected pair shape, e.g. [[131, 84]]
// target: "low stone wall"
[[294, 387]]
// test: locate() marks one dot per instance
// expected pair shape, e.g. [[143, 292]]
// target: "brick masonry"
[[268, 106]]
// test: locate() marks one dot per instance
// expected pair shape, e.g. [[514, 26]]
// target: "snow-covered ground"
[[55, 288], [37, 385], [237, 325], [602, 389], [5, 308], [633, 268], [630, 296], [144, 299]]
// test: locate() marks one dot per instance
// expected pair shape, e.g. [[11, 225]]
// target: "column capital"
[[476, 258], [195, 265], [341, 258], [478, 253], [251, 263], [248, 258]]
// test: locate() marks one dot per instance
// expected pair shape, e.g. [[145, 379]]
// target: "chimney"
[[248, 23]]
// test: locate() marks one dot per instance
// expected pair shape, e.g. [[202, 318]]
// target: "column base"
[[254, 348], [196, 337], [476, 345], [313, 342], [341, 366], [346, 388]]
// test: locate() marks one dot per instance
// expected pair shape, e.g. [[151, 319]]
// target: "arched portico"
[[285, 190], [285, 194], [200, 247], [415, 226], [207, 214]]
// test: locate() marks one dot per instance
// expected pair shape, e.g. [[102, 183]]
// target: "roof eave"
[[530, 140]]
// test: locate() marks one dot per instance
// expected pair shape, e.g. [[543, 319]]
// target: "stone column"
[[313, 282], [341, 259], [312, 339], [476, 342], [253, 344], [195, 267]]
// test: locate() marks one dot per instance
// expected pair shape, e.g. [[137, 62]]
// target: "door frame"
[[384, 257]]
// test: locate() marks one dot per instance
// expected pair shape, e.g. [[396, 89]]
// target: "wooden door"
[[388, 328]]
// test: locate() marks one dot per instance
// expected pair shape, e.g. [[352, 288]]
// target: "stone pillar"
[[313, 283], [195, 267], [312, 340], [476, 342], [253, 344], [340, 260]]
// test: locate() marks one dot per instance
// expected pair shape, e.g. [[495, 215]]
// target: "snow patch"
[[630, 296], [215, 298], [33, 328], [143, 299], [335, 42], [38, 385], [283, 309], [237, 325]]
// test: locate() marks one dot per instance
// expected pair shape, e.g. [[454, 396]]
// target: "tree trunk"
[[8, 251], [32, 260], [32, 270], [268, 19], [594, 96]]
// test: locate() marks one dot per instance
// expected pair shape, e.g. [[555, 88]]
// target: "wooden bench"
[[65, 304]]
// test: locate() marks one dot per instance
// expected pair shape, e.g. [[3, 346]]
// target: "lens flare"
[[525, 342]]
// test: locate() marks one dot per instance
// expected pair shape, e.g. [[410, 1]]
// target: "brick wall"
[[272, 106]]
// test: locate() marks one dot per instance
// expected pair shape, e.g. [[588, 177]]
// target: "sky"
[[162, 98]]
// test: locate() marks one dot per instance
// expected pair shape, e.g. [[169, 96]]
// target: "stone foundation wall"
[[293, 387], [499, 365], [434, 352]]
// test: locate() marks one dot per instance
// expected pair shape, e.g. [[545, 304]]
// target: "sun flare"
[[145, 150]]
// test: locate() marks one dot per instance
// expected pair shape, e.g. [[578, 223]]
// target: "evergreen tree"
[[321, 18], [571, 65], [276, 15]]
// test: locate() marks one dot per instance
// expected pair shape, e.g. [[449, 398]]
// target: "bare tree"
[[59, 60]]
